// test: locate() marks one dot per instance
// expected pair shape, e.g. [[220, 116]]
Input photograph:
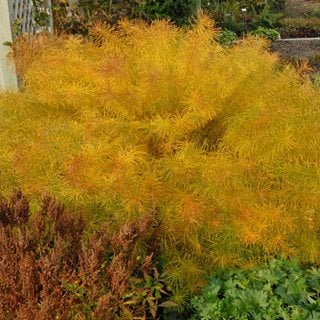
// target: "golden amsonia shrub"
[[223, 143]]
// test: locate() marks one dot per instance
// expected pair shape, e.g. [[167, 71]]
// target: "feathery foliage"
[[222, 142]]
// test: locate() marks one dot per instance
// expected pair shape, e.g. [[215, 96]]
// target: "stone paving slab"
[[299, 48]]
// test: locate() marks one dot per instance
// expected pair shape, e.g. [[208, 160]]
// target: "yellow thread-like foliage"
[[223, 143]]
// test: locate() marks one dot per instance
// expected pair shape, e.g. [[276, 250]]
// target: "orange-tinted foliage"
[[223, 143]]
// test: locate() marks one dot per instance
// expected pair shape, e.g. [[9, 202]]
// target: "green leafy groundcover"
[[279, 290]]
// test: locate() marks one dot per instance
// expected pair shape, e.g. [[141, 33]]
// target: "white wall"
[[8, 78]]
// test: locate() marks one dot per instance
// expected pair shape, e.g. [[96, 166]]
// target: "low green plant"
[[279, 290], [270, 34], [316, 79], [314, 13], [227, 37]]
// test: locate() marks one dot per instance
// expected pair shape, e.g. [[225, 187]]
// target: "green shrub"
[[267, 18], [279, 290], [179, 11], [269, 34], [85, 13], [222, 143]]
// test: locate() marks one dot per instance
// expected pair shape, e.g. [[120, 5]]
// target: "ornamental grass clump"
[[222, 143]]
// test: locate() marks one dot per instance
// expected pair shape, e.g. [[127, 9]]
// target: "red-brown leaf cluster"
[[52, 268]]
